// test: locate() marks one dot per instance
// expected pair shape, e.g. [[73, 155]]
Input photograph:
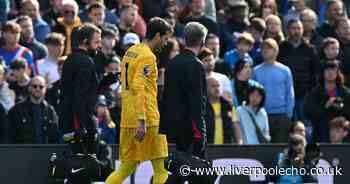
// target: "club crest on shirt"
[[147, 70]]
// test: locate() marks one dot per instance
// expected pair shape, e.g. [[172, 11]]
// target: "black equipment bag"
[[185, 164]]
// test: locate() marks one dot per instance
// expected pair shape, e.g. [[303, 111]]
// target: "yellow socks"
[[160, 174]]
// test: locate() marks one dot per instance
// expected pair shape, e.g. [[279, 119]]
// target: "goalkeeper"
[[139, 137]]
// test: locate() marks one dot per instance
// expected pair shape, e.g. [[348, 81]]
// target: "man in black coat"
[[302, 59], [79, 87], [33, 121], [185, 95]]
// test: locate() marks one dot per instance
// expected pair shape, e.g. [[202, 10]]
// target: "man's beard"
[[92, 52]]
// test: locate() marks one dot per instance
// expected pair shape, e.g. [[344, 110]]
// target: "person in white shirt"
[[48, 67]]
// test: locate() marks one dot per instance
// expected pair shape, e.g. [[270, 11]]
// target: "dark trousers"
[[279, 126], [187, 143]]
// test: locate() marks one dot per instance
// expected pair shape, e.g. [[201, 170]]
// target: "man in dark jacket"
[[185, 95], [33, 121], [79, 86], [302, 59], [218, 116]]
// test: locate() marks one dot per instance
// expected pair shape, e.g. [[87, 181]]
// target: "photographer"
[[328, 100], [297, 157]]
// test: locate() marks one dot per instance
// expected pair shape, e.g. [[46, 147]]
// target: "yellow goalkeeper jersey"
[[139, 87]]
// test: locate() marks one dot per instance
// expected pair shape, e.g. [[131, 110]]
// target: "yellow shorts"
[[154, 145]]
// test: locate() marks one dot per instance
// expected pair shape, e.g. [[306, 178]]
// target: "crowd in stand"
[[273, 68]]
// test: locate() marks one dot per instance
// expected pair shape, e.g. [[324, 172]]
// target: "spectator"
[[32, 9], [241, 83], [177, 26], [105, 54], [53, 13], [34, 121], [106, 126], [244, 45], [327, 100], [208, 62], [339, 129], [237, 12], [213, 43], [297, 128], [334, 12], [268, 7], [302, 59], [7, 96], [330, 50], [297, 7], [219, 123], [108, 17], [257, 28], [48, 68], [309, 19], [20, 85], [197, 14], [96, 13], [343, 35], [252, 117], [28, 40], [68, 24], [11, 49], [292, 157], [274, 28], [127, 21], [279, 100]]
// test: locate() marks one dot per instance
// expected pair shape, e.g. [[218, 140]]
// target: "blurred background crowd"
[[250, 100]]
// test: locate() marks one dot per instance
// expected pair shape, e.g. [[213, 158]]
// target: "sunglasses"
[[38, 86]]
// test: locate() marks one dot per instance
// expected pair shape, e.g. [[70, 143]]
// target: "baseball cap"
[[131, 38]]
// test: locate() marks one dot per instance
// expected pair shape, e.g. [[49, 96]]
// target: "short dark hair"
[[260, 89], [96, 5], [296, 139], [157, 25], [86, 32], [55, 39], [23, 18], [211, 36], [340, 80], [239, 67], [205, 52], [258, 24], [293, 21], [19, 63], [329, 41], [107, 32], [11, 26]]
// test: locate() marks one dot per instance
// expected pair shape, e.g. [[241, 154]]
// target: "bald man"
[[33, 121]]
